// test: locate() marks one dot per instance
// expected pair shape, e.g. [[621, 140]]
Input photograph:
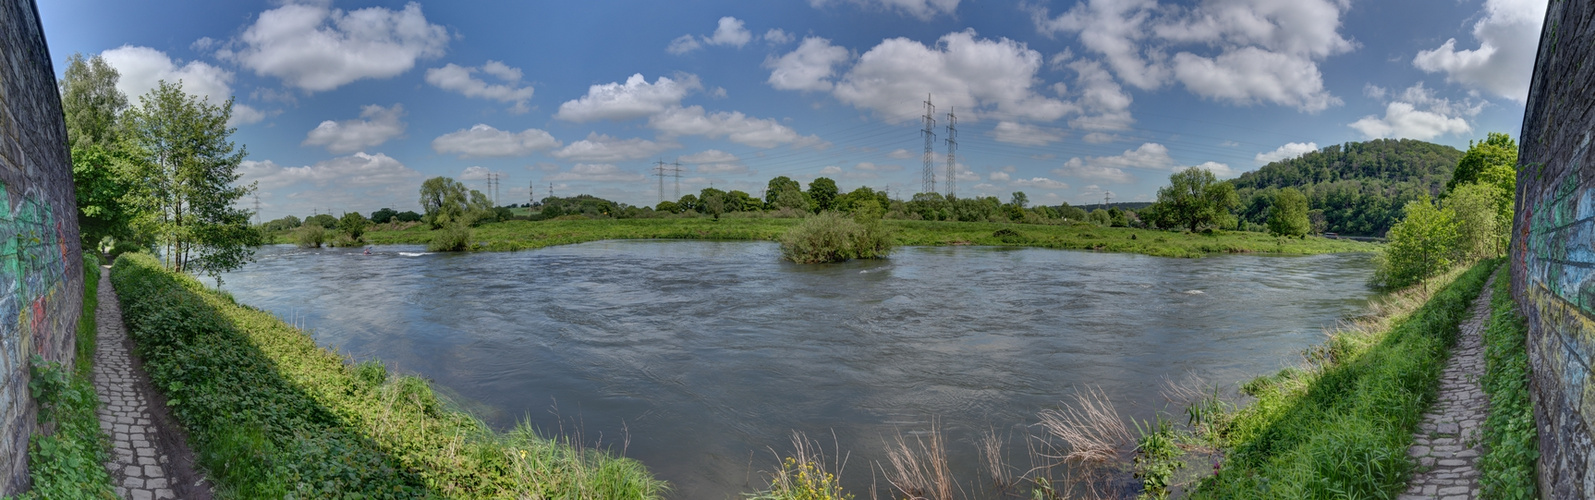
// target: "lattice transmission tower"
[[929, 172]]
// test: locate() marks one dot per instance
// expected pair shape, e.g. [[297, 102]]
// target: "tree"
[[822, 192], [1497, 151], [1420, 245], [778, 185], [325, 221], [408, 216], [738, 201], [91, 104], [1288, 216], [667, 206], [443, 201], [353, 224], [1196, 198], [383, 216], [1019, 199], [185, 168], [689, 203], [1479, 233], [790, 196], [712, 201]]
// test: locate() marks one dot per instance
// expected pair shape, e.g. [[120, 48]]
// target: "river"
[[700, 358]]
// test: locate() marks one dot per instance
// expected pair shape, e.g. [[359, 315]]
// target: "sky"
[[350, 105]]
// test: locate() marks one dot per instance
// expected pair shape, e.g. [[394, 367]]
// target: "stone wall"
[[41, 264], [1553, 253]]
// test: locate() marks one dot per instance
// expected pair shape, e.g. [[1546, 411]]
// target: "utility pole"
[[550, 190], [659, 170], [676, 167], [1107, 197], [531, 192], [928, 174], [952, 152], [257, 209]]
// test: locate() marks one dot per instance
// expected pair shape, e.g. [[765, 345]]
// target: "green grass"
[[1341, 427], [67, 463], [521, 235], [1506, 470], [272, 415]]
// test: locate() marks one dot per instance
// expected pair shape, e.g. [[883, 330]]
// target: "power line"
[[659, 170], [952, 152], [928, 174], [257, 209], [675, 166]]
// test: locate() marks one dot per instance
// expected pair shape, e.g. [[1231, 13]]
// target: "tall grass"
[[833, 237], [272, 415], [1340, 426], [1511, 440]]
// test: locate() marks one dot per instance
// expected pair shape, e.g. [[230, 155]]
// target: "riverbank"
[[522, 235], [312, 425]]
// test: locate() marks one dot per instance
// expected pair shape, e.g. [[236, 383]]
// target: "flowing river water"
[[701, 358]]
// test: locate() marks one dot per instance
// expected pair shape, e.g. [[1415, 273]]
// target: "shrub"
[[831, 237], [310, 236], [451, 238]]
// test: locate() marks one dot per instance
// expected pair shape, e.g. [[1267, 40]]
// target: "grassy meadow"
[[522, 235]]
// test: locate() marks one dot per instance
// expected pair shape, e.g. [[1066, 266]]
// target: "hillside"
[[1360, 187]]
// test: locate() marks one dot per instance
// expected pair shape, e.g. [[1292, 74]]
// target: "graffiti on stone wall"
[[32, 276]]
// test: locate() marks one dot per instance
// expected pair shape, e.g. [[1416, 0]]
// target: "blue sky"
[[348, 106]]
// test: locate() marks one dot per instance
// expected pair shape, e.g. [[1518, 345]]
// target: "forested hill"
[[1359, 186]]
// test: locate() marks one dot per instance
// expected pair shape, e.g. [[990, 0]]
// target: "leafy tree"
[[929, 206], [282, 224], [1316, 220], [777, 186], [1497, 151], [1420, 245], [1100, 217], [1360, 187], [850, 202], [790, 196], [738, 201], [690, 203], [1196, 198], [443, 201], [326, 221], [712, 201], [1071, 212], [353, 224], [91, 103], [668, 206], [552, 210], [1288, 217], [408, 216], [383, 216], [822, 192], [1116, 217], [1479, 232], [1019, 199], [185, 168]]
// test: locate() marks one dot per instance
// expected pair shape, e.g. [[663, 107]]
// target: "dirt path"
[[1448, 442], [149, 457]]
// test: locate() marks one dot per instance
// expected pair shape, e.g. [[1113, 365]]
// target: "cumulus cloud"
[[1286, 152], [482, 140], [714, 161], [809, 67], [1508, 34], [830, 170], [462, 79], [1243, 52], [683, 44], [624, 101], [1025, 135], [739, 128], [142, 68], [1100, 138], [901, 154], [475, 173], [1104, 105], [603, 148], [375, 126], [974, 76], [1220, 170], [1418, 114], [359, 170], [1149, 155], [730, 31], [778, 36], [922, 9], [1039, 182], [597, 172], [872, 167], [999, 177], [317, 48]]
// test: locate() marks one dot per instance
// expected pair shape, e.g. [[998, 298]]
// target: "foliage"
[[1506, 470], [310, 236], [446, 201], [1195, 198], [1420, 247], [272, 415], [185, 169], [283, 224], [1359, 186], [822, 192], [452, 238], [803, 481], [408, 216], [1288, 216], [1340, 427], [1157, 454], [92, 105], [325, 221], [831, 237], [353, 224], [777, 186], [383, 216], [91, 102], [1496, 152], [1480, 234], [66, 463]]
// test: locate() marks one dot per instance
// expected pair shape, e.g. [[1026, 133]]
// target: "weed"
[[1506, 470]]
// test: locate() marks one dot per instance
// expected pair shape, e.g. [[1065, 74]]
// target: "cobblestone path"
[[139, 466], [1448, 442]]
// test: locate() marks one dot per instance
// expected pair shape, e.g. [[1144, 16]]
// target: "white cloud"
[[922, 9], [1149, 155], [809, 67], [778, 36], [1220, 170], [460, 79], [634, 99], [871, 167], [1026, 135], [1286, 152], [739, 128], [683, 44], [901, 154], [721, 168], [482, 140], [378, 124], [316, 48], [1104, 104], [710, 156], [999, 177], [597, 172], [1508, 35], [976, 77], [1039, 182], [830, 170], [359, 170], [603, 148], [730, 31], [1101, 138], [474, 173], [143, 68], [1239, 51], [1418, 114]]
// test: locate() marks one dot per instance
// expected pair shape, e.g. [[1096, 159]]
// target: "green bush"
[[451, 238], [310, 236], [1506, 470], [272, 415], [832, 237]]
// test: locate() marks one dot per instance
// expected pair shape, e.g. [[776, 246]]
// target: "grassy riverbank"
[[1340, 426], [519, 235], [272, 415], [1506, 470]]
